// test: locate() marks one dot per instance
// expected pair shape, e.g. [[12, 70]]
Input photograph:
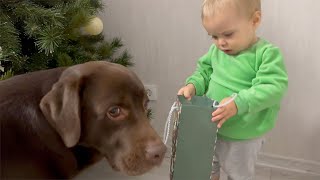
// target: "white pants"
[[237, 158]]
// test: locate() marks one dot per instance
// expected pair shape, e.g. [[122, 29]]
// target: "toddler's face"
[[230, 31]]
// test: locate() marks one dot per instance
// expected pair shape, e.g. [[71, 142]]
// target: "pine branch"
[[76, 20], [79, 13], [50, 35], [6, 75], [37, 61], [150, 114], [97, 4], [19, 63], [106, 50], [48, 4], [41, 16], [9, 39], [44, 25], [64, 60], [89, 5], [124, 59], [92, 39], [49, 39], [6, 2], [116, 44]]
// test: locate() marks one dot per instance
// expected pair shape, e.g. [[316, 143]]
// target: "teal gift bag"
[[193, 138]]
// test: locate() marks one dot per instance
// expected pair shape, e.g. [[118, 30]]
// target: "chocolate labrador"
[[56, 122]]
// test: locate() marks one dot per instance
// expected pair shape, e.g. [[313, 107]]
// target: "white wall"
[[294, 26], [166, 39]]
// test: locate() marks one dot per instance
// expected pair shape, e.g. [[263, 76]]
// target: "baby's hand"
[[187, 91], [222, 114]]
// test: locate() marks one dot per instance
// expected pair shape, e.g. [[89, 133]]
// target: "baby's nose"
[[222, 42]]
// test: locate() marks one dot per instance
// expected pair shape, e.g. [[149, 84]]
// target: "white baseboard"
[[289, 164]]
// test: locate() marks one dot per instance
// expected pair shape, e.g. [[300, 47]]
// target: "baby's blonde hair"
[[248, 7]]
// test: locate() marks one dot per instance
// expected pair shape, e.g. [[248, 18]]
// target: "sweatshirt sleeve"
[[201, 77], [269, 85]]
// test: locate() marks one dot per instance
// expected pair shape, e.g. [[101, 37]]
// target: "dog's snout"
[[155, 152]]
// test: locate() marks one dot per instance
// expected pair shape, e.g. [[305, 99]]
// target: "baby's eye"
[[214, 37], [228, 35]]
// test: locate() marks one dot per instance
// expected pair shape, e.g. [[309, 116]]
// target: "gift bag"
[[193, 138]]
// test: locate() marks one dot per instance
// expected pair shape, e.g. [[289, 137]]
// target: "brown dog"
[[56, 122]]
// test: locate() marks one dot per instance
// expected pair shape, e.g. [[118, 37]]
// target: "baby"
[[239, 62]]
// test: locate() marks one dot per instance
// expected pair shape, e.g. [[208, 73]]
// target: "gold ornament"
[[94, 27]]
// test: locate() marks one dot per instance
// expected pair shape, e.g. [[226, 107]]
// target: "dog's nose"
[[155, 152]]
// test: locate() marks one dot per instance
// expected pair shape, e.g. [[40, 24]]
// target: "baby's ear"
[[256, 19]]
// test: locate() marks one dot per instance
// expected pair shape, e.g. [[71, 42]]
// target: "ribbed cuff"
[[199, 90], [242, 105]]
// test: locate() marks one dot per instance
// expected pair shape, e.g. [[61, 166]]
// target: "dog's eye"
[[114, 111]]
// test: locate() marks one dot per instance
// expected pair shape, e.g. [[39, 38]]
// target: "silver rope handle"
[[166, 133], [233, 97]]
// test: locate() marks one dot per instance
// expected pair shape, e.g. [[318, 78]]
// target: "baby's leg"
[[215, 169], [238, 158], [215, 178]]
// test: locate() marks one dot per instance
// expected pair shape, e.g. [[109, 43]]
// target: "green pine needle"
[[150, 114], [37, 62], [7, 75], [40, 15], [9, 38], [124, 59], [64, 60], [50, 38], [116, 43]]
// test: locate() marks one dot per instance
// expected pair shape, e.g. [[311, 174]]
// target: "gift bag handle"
[[175, 107], [233, 97]]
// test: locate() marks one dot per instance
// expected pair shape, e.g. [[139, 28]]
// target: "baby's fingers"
[[218, 111], [185, 93], [181, 91], [218, 114], [223, 120]]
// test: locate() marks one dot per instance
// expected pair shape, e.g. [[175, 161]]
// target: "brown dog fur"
[[56, 122]]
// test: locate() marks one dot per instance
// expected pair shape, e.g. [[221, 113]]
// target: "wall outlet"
[[151, 92]]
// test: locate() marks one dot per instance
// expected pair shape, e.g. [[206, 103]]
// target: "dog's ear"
[[61, 107]]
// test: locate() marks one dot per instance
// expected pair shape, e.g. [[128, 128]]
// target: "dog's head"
[[104, 106]]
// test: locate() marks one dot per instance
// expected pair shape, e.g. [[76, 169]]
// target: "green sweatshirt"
[[258, 75]]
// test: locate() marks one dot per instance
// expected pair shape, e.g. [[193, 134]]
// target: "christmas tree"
[[39, 34]]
